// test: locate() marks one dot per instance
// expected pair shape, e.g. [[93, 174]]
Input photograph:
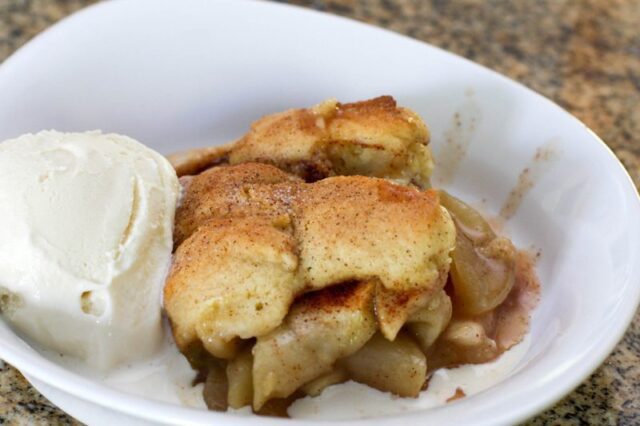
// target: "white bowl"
[[179, 74]]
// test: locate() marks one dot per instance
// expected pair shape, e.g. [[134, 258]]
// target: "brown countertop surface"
[[584, 55]]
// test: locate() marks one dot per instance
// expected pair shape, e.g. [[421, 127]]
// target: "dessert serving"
[[310, 252]]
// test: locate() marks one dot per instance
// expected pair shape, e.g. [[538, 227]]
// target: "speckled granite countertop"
[[583, 54]]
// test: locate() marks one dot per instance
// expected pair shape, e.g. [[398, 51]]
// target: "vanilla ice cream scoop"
[[85, 242]]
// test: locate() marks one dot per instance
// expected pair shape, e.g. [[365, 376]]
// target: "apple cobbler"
[[312, 251]]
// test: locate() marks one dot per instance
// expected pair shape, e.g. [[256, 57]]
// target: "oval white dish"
[[181, 74]]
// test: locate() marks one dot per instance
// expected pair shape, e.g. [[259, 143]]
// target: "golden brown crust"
[[373, 138], [252, 235], [229, 191], [354, 227], [370, 138], [194, 161], [231, 278]]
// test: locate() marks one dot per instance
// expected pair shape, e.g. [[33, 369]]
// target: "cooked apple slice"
[[215, 387], [315, 387], [483, 265], [240, 379], [398, 367], [467, 219], [429, 322], [393, 308], [321, 328], [463, 342]]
